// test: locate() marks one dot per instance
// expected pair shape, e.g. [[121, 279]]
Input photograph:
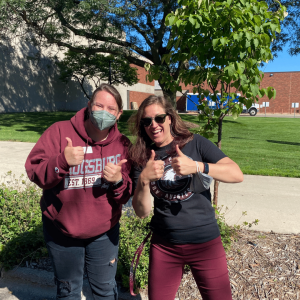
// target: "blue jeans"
[[100, 255]]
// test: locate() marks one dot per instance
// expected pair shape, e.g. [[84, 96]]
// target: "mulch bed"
[[261, 266]]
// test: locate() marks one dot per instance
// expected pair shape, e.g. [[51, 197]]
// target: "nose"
[[153, 124]]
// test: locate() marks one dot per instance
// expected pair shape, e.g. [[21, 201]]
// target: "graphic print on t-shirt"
[[171, 186]]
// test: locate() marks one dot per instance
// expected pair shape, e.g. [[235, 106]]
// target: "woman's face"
[[160, 134], [105, 101]]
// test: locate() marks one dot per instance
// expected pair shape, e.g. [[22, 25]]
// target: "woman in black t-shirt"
[[185, 231]]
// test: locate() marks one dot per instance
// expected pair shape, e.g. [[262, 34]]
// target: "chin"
[[159, 143]]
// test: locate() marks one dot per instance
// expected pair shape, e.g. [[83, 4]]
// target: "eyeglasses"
[[159, 119]]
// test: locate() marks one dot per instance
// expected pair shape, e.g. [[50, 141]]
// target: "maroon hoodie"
[[78, 201]]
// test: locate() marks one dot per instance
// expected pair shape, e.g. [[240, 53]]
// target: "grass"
[[28, 127], [264, 146], [261, 146]]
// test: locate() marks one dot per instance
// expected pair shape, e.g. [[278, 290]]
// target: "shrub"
[[133, 230], [20, 224], [227, 232]]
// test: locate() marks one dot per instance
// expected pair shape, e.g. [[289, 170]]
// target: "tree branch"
[[86, 34]]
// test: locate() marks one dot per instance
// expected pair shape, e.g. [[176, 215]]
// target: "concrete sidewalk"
[[32, 284], [274, 201]]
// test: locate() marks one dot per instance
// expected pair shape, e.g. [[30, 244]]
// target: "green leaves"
[[271, 93], [133, 230], [230, 69], [254, 89], [215, 43], [20, 224], [171, 19], [226, 41], [96, 67]]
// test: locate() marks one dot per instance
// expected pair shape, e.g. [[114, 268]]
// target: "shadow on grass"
[[39, 121], [284, 143], [233, 122], [35, 121]]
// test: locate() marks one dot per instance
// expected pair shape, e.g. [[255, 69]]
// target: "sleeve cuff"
[[62, 165]]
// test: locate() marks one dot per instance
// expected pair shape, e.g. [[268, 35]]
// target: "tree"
[[290, 34], [225, 43], [92, 27], [96, 68]]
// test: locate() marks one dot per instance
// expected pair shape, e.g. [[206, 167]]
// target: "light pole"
[[109, 74]]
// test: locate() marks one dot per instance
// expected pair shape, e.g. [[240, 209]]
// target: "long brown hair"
[[140, 151]]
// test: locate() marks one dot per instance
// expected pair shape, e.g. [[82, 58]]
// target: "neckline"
[[163, 147]]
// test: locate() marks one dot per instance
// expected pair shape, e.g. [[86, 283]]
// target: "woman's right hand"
[[154, 169]]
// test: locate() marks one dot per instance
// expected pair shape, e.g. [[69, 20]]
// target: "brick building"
[[138, 96], [286, 84]]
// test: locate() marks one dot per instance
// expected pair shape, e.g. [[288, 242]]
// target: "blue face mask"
[[102, 119]]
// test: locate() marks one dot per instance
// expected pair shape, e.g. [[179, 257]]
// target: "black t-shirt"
[[181, 216]]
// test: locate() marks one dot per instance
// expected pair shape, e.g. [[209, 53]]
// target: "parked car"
[[252, 111], [192, 100]]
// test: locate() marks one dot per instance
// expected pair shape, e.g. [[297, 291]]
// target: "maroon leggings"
[[208, 265]]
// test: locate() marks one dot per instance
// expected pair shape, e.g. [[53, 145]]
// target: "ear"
[[119, 114], [89, 105], [169, 120]]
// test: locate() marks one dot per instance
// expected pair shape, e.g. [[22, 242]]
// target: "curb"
[[33, 284]]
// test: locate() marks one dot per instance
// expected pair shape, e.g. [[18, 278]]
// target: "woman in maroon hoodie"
[[82, 167]]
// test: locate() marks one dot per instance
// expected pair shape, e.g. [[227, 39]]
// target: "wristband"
[[206, 168], [117, 184]]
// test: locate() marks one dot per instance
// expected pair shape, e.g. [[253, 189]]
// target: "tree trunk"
[[169, 95], [216, 184], [216, 193]]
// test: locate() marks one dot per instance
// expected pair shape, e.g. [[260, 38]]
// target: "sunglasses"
[[159, 119]]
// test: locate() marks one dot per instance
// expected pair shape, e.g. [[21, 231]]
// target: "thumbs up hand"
[[112, 173], [154, 169], [74, 155], [183, 165]]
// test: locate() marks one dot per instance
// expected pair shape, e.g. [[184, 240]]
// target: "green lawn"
[[265, 146], [28, 127], [261, 146]]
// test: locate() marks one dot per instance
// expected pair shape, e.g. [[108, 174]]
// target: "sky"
[[283, 63]]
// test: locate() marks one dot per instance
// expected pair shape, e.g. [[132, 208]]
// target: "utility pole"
[[109, 76]]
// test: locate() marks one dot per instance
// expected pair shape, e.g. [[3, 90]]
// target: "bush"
[[227, 232], [20, 224], [133, 230]]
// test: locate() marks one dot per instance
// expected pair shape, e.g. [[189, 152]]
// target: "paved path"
[[13, 156], [274, 201]]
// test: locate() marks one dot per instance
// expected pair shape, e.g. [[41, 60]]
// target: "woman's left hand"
[[183, 165], [112, 173]]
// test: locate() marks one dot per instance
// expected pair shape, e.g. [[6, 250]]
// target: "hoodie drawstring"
[[86, 149]]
